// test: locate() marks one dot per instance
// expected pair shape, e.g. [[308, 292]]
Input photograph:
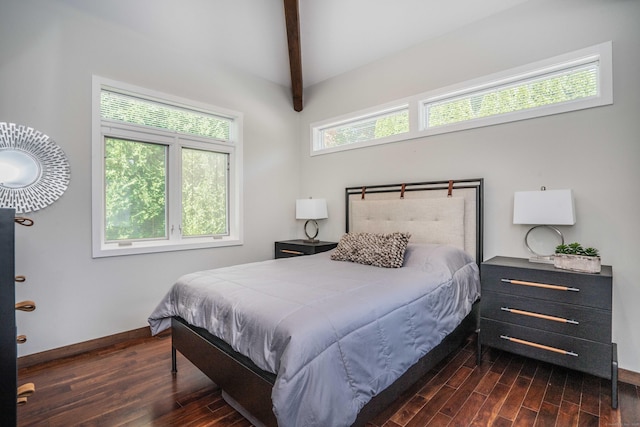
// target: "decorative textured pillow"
[[381, 250]]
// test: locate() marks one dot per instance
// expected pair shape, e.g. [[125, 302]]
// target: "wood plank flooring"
[[131, 384]]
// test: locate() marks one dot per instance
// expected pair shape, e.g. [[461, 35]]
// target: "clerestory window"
[[567, 85], [574, 81]]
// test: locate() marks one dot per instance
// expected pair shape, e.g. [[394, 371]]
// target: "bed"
[[334, 338]]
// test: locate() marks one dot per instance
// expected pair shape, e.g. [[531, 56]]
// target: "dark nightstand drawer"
[[578, 321], [588, 356], [592, 290], [293, 248]]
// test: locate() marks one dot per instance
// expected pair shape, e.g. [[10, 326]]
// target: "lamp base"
[[542, 259], [311, 239], [541, 245]]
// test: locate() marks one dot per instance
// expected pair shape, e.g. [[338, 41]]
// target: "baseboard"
[[629, 377], [83, 347]]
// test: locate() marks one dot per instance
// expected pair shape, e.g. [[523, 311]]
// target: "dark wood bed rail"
[[232, 372]]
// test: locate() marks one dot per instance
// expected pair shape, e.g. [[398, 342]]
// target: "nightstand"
[[557, 316], [291, 248]]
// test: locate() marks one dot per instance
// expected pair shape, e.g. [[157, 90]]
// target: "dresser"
[[11, 394], [291, 248], [8, 372], [557, 316]]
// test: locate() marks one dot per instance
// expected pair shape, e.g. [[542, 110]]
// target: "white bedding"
[[335, 333]]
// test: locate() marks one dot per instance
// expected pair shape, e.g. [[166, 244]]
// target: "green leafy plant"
[[576, 249]]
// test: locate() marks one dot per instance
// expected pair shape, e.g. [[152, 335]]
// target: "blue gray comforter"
[[335, 333]]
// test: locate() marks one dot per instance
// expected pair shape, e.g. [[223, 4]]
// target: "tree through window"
[[168, 174]]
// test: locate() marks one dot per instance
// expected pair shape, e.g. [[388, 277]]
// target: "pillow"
[[381, 250], [433, 256]]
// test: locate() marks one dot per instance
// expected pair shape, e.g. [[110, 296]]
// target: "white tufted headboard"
[[446, 212]]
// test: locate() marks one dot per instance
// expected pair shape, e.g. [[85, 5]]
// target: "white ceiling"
[[336, 35]]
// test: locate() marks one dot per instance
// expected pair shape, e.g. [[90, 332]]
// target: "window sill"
[[147, 247]]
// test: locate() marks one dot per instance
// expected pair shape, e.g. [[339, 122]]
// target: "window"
[[166, 172], [377, 127], [574, 81], [564, 86], [551, 88]]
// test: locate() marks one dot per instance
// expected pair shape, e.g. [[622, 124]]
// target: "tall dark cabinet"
[[8, 351]]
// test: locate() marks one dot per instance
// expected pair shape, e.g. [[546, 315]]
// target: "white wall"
[[48, 55], [595, 152]]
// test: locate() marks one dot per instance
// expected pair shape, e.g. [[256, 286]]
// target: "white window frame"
[[317, 129], [418, 128], [600, 54], [102, 128]]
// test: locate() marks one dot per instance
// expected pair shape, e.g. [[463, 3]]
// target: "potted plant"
[[576, 258]]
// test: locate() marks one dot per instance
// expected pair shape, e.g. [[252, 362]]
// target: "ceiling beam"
[[292, 20]]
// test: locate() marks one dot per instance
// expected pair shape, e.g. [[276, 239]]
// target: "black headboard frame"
[[433, 189]]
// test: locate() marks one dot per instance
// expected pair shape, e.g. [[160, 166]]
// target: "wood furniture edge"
[[8, 329], [83, 347]]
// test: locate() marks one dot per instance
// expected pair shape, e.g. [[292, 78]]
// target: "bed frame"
[[248, 388]]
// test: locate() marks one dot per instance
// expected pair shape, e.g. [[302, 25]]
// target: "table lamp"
[[543, 209], [311, 210]]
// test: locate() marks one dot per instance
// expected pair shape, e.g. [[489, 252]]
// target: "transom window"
[[573, 81], [565, 84], [135, 110], [165, 172], [377, 127]]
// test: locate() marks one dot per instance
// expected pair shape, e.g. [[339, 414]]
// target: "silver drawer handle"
[[540, 285], [540, 346], [539, 316]]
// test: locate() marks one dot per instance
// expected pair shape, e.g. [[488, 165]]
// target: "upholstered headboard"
[[445, 212]]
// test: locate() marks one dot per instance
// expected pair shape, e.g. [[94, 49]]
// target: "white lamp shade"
[[311, 209], [547, 207]]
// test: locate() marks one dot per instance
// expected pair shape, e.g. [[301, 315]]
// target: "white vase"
[[585, 264]]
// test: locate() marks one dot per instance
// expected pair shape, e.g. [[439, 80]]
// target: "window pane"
[[371, 128], [129, 109], [135, 193], [204, 192], [568, 85]]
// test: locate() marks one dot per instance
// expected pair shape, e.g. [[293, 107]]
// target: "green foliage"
[[135, 180], [136, 172], [376, 128], [591, 252], [579, 84], [576, 249], [136, 188], [204, 192], [128, 109]]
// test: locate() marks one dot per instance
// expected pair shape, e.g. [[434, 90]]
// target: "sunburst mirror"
[[34, 171]]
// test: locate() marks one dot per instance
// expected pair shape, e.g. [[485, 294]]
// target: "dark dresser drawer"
[[578, 321], [293, 248], [582, 355], [547, 282]]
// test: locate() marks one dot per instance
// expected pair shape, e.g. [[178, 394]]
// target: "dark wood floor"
[[131, 384]]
